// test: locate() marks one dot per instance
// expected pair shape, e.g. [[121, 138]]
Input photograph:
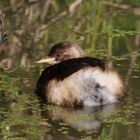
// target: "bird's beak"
[[48, 60]]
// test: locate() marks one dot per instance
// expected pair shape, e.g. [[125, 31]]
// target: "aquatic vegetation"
[[105, 29]]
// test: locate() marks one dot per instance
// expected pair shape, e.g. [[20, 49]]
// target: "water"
[[102, 31], [24, 117]]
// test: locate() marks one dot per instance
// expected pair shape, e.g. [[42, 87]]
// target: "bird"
[[76, 80]]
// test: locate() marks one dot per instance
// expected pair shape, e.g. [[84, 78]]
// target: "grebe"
[[74, 79]]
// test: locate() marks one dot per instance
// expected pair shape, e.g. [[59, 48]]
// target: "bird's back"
[[64, 69]]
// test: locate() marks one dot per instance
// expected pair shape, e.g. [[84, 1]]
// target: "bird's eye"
[[58, 54]]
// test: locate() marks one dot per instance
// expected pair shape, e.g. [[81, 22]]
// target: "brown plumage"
[[77, 80]]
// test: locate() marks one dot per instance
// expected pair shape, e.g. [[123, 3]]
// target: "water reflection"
[[86, 121]]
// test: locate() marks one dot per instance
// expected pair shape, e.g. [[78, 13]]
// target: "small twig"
[[135, 11], [130, 70], [54, 20], [71, 8], [133, 55], [45, 9], [42, 29]]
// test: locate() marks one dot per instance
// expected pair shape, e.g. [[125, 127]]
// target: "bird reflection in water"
[[81, 121]]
